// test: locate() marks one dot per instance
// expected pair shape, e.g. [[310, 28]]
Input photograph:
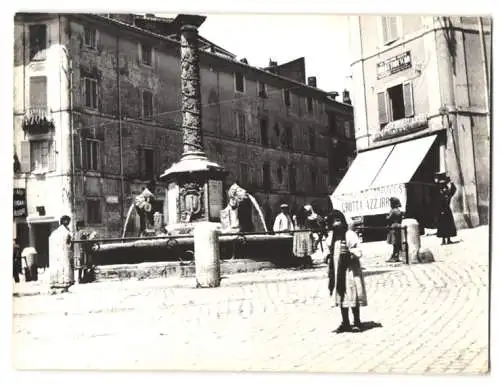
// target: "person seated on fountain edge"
[[143, 206]]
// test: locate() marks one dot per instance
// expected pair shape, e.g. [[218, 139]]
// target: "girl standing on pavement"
[[345, 275], [302, 241]]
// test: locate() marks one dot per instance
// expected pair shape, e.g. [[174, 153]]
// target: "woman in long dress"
[[346, 282], [61, 257], [302, 241], [446, 224]]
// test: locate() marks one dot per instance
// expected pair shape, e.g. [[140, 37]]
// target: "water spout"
[[125, 224], [259, 210]]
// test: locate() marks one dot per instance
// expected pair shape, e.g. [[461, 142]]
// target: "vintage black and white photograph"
[[257, 192]]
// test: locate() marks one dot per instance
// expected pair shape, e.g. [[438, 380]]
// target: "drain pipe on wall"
[[364, 84], [120, 131], [484, 59]]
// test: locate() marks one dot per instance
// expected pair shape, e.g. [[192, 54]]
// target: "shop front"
[[404, 170]]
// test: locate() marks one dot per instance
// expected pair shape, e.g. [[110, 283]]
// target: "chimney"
[[244, 60], [311, 81], [272, 63], [346, 98], [334, 95]]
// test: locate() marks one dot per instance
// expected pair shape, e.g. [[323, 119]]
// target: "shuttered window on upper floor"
[[395, 103], [38, 41], [390, 30]]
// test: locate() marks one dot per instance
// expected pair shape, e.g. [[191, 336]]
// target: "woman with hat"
[[394, 219], [446, 224]]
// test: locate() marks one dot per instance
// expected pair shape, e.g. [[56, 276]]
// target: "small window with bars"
[[146, 54], [90, 91], [239, 118], [90, 37], [239, 82], [92, 154]]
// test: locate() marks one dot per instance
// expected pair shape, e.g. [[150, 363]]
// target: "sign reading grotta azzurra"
[[394, 65], [371, 201]]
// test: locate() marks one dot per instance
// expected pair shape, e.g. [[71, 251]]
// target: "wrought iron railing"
[[38, 120]]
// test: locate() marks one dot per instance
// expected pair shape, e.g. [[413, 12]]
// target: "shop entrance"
[[41, 233]]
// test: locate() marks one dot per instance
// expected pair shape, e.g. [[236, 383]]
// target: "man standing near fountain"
[[283, 221], [61, 257]]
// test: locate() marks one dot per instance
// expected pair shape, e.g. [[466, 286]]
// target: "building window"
[[244, 174], [38, 41], [239, 124], [314, 177], [292, 178], [239, 82], [41, 156], [266, 176], [38, 93], [262, 90], [147, 105], [263, 132], [309, 105], [146, 54], [93, 154], [395, 103], [279, 173], [286, 98], [147, 163], [90, 91], [390, 31], [287, 137], [312, 140], [94, 215], [90, 37]]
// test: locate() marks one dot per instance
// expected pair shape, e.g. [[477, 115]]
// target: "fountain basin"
[[275, 249]]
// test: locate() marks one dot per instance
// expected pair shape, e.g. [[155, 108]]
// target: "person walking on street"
[[302, 241], [283, 221], [446, 224], [16, 261], [345, 276], [394, 219]]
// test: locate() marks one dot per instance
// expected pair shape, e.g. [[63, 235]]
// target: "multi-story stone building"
[[97, 115], [421, 96]]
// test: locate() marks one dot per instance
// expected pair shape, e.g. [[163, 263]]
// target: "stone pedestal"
[[206, 255], [412, 239]]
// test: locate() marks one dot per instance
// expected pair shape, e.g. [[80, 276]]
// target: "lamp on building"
[[335, 141]]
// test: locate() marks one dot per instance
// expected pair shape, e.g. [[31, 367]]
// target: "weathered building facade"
[[421, 94], [97, 114]]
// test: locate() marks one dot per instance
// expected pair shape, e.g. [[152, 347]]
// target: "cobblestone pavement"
[[426, 318]]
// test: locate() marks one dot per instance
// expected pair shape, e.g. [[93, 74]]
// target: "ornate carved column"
[[194, 190], [192, 137]]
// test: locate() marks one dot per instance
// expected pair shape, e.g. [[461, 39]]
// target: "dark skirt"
[[446, 224]]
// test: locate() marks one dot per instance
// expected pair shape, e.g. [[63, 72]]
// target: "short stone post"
[[412, 238], [207, 255]]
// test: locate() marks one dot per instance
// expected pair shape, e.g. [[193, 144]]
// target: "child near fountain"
[[302, 241]]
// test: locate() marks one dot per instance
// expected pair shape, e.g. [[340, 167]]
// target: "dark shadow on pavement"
[[378, 272], [365, 326]]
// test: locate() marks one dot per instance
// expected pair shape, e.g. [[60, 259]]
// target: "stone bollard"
[[206, 255], [412, 239]]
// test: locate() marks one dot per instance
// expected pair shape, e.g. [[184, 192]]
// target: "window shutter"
[[384, 29], [38, 92], [382, 109], [76, 151], [52, 156], [102, 155], [393, 27], [25, 157], [408, 99]]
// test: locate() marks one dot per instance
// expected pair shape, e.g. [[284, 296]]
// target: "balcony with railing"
[[38, 120]]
